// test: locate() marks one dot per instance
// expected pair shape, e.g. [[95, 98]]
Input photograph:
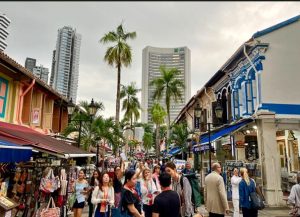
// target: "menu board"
[[7, 204]]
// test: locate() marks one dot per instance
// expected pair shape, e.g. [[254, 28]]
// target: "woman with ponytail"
[[246, 186]]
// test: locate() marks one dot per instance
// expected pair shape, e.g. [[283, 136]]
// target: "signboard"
[[197, 123], [35, 115], [180, 164], [201, 148], [240, 144]]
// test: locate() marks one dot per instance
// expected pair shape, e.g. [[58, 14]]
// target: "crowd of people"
[[142, 189], [159, 190]]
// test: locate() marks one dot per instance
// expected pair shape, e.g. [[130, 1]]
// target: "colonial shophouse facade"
[[258, 90]]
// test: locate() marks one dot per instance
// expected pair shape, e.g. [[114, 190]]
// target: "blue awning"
[[10, 152], [217, 134], [174, 151]]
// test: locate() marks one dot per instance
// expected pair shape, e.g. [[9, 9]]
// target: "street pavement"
[[267, 212]]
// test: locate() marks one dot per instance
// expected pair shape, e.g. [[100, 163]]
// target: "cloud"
[[211, 30]]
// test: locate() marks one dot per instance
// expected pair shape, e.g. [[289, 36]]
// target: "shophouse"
[[257, 89]]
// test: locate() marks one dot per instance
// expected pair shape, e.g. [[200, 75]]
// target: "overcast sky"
[[211, 30]]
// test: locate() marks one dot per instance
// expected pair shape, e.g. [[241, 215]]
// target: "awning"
[[40, 142], [10, 152], [174, 151], [217, 134]]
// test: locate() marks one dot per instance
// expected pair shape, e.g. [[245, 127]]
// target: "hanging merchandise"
[[50, 212], [63, 182], [49, 183]]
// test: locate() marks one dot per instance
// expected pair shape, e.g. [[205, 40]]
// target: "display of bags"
[[49, 183], [72, 198], [50, 212]]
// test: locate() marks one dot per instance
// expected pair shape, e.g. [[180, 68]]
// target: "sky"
[[211, 30]]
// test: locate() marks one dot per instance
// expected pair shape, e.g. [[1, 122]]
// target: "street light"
[[219, 114], [92, 112]]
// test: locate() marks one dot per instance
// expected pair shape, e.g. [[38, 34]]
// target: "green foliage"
[[148, 141], [179, 134], [169, 86], [130, 103], [158, 114]]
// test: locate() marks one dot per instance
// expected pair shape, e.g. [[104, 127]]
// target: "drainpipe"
[[21, 98]]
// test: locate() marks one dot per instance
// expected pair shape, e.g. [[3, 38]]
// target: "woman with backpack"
[[148, 190], [246, 186]]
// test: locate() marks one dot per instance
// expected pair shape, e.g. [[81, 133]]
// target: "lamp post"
[[219, 114], [92, 112]]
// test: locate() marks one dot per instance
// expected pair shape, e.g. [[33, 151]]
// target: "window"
[[3, 96]]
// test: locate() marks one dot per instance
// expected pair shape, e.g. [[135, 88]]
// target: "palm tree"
[[87, 137], [147, 141], [130, 104], [107, 131], [170, 87], [158, 114], [179, 135], [118, 55]]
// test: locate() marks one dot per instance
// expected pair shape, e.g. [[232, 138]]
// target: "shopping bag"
[[50, 212], [71, 200], [49, 183]]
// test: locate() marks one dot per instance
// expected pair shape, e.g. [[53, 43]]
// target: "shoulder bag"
[[118, 211], [50, 212], [256, 200]]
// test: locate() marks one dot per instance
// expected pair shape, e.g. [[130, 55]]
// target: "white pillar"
[[270, 159]]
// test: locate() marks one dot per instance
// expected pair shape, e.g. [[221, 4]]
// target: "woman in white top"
[[103, 196], [294, 197], [235, 180], [148, 190]]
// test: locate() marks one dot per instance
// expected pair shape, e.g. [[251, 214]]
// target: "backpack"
[[197, 198]]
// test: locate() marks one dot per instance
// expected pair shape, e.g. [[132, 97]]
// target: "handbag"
[[72, 198], [256, 201], [117, 211], [50, 212], [49, 183]]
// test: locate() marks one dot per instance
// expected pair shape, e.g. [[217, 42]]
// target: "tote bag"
[[50, 212]]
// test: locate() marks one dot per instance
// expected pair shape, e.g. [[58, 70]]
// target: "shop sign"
[[35, 115], [180, 164], [56, 163], [240, 144], [201, 148]]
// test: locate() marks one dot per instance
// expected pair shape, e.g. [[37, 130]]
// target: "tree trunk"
[[157, 141], [118, 101]]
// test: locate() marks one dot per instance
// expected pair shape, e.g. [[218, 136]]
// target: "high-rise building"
[[64, 77], [41, 72], [52, 68], [4, 23], [30, 63], [153, 58]]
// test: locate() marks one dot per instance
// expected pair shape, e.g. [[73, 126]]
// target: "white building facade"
[[64, 77], [4, 23], [41, 72], [153, 58]]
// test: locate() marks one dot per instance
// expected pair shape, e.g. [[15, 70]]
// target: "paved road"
[[268, 212]]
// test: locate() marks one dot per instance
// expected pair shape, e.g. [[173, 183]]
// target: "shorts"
[[78, 205]]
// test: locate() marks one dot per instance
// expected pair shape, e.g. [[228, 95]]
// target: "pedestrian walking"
[[214, 193], [117, 183], [81, 191], [185, 192], [294, 197], [188, 169], [246, 186], [130, 199], [103, 196], [167, 203], [235, 180], [93, 184], [148, 191], [155, 177]]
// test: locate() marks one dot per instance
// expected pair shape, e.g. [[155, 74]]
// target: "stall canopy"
[[175, 150], [219, 133], [11, 152], [40, 142]]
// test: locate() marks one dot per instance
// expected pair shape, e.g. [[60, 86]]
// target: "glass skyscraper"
[[64, 75]]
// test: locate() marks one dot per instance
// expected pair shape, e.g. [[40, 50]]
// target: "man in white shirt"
[[235, 180]]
